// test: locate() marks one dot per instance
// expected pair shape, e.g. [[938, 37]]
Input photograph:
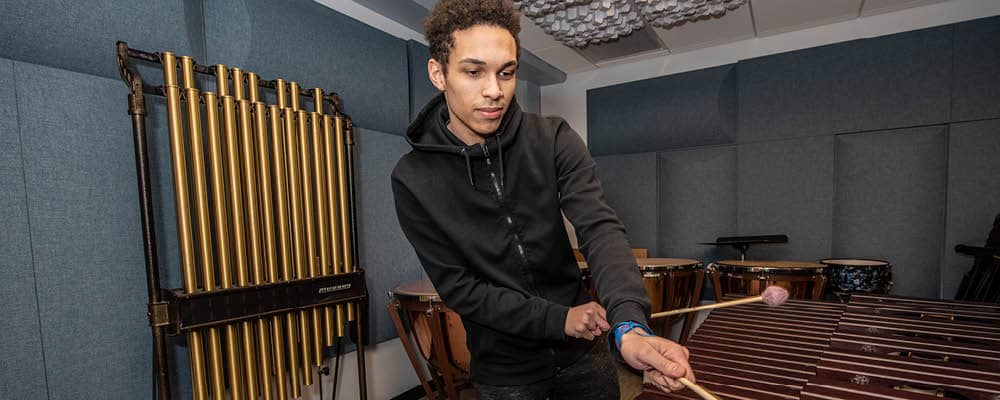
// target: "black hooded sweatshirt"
[[486, 225]]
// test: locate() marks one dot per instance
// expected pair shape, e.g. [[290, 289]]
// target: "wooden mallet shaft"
[[736, 302]]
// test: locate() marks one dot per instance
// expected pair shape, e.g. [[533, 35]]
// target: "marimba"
[[875, 347]]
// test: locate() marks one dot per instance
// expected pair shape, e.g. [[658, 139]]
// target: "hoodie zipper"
[[518, 245]]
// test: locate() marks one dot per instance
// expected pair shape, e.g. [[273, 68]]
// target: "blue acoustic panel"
[[684, 110], [22, 369], [786, 187], [529, 96], [629, 182], [973, 195], [304, 41], [697, 202], [880, 83], [80, 179], [976, 80], [386, 255], [421, 88], [889, 203], [81, 35]]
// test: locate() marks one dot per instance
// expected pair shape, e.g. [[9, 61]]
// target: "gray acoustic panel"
[[800, 93], [81, 35], [973, 195], [871, 84], [421, 88], [903, 79], [22, 368], [529, 96], [684, 110], [304, 41], [81, 196], [890, 203], [629, 183], [976, 79], [386, 255], [696, 202], [786, 187]]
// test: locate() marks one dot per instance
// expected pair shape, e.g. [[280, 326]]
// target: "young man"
[[480, 199]]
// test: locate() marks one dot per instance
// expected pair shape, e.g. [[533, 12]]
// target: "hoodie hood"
[[429, 131]]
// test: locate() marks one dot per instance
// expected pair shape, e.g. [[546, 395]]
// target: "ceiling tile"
[[734, 25], [778, 16], [534, 38], [873, 7], [564, 58]]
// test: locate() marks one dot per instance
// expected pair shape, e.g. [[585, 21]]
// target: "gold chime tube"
[[253, 86], [204, 223], [336, 248], [235, 342], [284, 234], [249, 158], [293, 93], [221, 80], [322, 215], [298, 231], [345, 213], [185, 235], [308, 200], [237, 84], [280, 90], [271, 258], [221, 239]]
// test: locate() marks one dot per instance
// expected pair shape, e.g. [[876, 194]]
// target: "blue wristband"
[[622, 328]]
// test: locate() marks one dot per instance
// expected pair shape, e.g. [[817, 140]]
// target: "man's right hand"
[[586, 321]]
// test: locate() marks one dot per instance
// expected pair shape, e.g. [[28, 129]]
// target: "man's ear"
[[435, 71]]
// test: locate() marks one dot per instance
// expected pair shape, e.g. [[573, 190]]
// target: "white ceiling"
[[757, 18]]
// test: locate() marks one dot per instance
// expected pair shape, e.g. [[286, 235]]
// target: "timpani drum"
[[803, 280], [858, 275], [438, 332], [671, 283]]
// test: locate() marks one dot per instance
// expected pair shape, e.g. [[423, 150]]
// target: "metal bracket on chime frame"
[[266, 229]]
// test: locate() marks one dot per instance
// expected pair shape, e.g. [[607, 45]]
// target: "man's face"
[[479, 82]]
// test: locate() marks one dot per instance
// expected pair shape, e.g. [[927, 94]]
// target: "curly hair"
[[449, 16]]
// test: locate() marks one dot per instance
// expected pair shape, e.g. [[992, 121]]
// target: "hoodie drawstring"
[[468, 167]]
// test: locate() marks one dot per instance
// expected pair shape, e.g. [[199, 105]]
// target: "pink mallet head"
[[774, 295]]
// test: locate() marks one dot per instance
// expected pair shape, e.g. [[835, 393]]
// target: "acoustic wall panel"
[[870, 84], [976, 78], [902, 80], [81, 35], [304, 41], [684, 110], [81, 196], [800, 93], [529, 96], [696, 202], [386, 255], [421, 88], [22, 368], [786, 187], [889, 203], [973, 195], [629, 183]]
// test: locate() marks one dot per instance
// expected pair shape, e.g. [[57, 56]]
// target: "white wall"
[[569, 99]]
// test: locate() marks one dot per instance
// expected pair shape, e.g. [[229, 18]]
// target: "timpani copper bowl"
[[438, 333], [803, 280]]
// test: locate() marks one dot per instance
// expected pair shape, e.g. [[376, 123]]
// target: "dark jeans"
[[592, 377]]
